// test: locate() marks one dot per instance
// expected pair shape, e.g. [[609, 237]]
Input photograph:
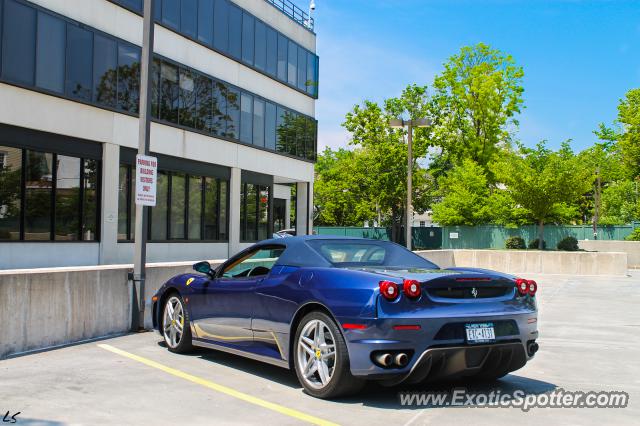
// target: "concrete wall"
[[632, 248], [533, 261]]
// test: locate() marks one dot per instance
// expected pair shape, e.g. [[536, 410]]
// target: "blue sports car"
[[341, 311]]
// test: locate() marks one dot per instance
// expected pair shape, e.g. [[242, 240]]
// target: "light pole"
[[398, 123]]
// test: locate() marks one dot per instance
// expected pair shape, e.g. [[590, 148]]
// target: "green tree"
[[476, 100], [546, 185], [383, 153], [620, 203]]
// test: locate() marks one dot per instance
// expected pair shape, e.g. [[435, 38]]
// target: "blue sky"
[[579, 56]]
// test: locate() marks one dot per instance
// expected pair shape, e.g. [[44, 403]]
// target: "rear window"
[[354, 253]]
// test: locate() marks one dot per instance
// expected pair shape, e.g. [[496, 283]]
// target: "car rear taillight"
[[411, 288], [533, 287], [523, 286], [389, 290]]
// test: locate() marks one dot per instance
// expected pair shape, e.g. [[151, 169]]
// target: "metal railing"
[[294, 12]]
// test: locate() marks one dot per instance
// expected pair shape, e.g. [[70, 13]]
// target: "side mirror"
[[203, 267]]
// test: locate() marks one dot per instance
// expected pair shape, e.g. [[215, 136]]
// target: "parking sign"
[[146, 179]]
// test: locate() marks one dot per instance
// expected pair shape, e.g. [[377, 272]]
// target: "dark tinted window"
[[312, 82], [133, 4], [261, 46], [211, 209], [283, 46], [129, 77], [302, 68], [67, 198], [195, 208], [263, 212], [246, 120], [18, 42], [203, 103], [159, 212], [50, 53], [368, 253], [38, 193], [90, 213], [235, 31], [189, 17], [221, 25], [272, 51], [222, 217], [178, 194], [233, 113], [79, 69], [258, 122], [11, 176], [205, 21], [270, 126], [171, 13], [187, 98], [219, 108], [169, 92], [105, 70], [292, 69], [248, 23]]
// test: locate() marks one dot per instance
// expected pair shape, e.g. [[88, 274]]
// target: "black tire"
[[183, 344], [342, 382]]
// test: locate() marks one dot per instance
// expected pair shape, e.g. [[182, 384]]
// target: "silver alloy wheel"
[[173, 322], [316, 354]]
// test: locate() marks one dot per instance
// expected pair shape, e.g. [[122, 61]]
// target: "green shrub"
[[568, 244], [515, 243], [634, 236], [534, 244]]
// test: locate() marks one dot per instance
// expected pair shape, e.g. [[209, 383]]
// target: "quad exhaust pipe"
[[388, 360]]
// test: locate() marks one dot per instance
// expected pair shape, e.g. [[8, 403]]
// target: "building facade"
[[233, 128]]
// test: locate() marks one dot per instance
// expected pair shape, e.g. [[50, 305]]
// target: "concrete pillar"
[[234, 211], [287, 213], [109, 203], [304, 208]]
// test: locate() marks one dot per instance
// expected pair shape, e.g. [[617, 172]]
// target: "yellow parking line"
[[222, 389]]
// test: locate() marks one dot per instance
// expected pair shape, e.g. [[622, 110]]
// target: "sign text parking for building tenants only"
[[146, 180]]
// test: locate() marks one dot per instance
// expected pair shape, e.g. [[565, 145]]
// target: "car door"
[[226, 303]]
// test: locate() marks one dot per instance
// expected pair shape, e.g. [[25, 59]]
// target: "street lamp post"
[[398, 123]]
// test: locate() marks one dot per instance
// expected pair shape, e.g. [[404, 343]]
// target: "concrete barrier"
[[533, 261], [632, 248]]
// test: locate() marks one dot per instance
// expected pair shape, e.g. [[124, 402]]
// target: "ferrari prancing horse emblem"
[[474, 292]]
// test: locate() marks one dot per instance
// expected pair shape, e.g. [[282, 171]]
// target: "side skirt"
[[262, 358]]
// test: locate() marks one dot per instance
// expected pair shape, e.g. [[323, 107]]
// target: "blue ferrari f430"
[[342, 311]]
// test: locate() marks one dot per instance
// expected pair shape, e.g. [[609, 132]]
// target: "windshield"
[[355, 253]]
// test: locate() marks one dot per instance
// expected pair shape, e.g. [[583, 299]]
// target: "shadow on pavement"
[[374, 394]]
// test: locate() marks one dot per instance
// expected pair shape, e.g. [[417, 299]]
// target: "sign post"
[[146, 171]]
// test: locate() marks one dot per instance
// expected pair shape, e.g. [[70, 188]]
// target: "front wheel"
[[176, 325], [321, 358]]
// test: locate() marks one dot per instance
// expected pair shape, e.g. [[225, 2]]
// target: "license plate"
[[480, 333]]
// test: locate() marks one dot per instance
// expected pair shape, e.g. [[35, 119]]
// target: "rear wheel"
[[176, 327], [321, 358]]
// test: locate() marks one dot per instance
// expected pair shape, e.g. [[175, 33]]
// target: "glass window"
[[233, 113], [310, 141], [79, 70], [195, 207], [38, 191], [258, 122], [18, 43], [250, 203], [302, 68], [248, 23], [105, 71], [10, 192], [187, 98], [219, 109], [261, 46], [189, 17], [155, 87], [256, 263], [178, 187], [159, 212], [50, 53], [203, 103], [235, 31], [270, 126], [205, 21], [221, 25], [67, 198], [171, 13], [246, 120], [222, 217], [210, 209], [91, 175], [133, 4], [312, 81], [128, 77], [272, 51], [169, 92], [263, 212], [292, 73], [123, 207], [283, 46]]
